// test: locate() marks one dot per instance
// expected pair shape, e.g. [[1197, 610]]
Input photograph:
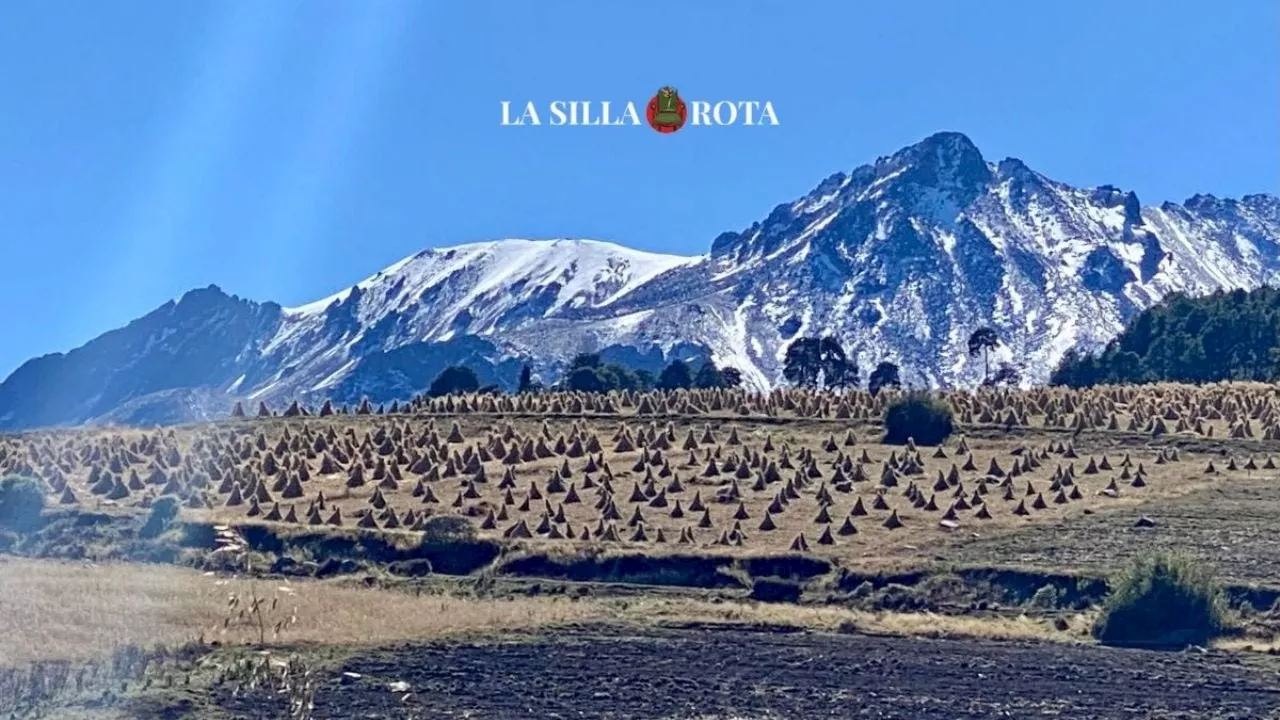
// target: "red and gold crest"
[[666, 112]]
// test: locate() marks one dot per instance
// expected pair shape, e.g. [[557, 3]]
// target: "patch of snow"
[[335, 376]]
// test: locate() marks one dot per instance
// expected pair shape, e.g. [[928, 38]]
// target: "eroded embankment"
[[497, 567]]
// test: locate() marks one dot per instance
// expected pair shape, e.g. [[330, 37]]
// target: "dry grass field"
[[1050, 479], [58, 610], [702, 471], [54, 610], [75, 630], [440, 657]]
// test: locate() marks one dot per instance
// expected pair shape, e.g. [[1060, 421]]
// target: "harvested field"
[[715, 471], [1229, 525], [702, 673], [75, 636], [697, 501]]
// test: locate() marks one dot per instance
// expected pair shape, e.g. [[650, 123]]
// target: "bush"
[[769, 590], [457, 379], [163, 512], [447, 528], [337, 566], [21, 502], [1047, 597], [588, 374], [1162, 600], [920, 416], [411, 568], [675, 376]]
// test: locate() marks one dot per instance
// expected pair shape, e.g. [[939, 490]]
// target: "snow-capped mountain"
[[900, 259], [451, 298]]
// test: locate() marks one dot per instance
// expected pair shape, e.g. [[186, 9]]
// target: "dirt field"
[[1229, 525], [726, 673]]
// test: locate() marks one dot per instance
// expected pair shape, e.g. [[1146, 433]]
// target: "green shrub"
[[21, 502], [919, 416], [1161, 600], [163, 512]]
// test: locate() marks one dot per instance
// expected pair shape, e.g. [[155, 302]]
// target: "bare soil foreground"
[[709, 672]]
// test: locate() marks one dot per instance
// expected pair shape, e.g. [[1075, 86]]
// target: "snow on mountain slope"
[[900, 259], [586, 272], [486, 290], [903, 258]]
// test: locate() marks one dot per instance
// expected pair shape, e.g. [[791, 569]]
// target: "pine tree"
[[675, 376], [453, 380], [1224, 336], [982, 342], [885, 375], [708, 376], [526, 380], [802, 364]]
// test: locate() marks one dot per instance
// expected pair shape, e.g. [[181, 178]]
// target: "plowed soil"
[[1229, 526], [705, 672]]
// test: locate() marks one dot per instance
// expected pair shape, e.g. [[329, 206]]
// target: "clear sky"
[[286, 149]]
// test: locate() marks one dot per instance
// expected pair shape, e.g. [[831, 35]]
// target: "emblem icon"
[[666, 112]]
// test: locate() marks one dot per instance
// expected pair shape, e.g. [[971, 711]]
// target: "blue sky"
[[287, 149]]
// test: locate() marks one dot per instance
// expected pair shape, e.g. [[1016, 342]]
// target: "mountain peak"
[[201, 299], [950, 140], [945, 161], [945, 149], [1204, 202], [202, 294], [899, 259]]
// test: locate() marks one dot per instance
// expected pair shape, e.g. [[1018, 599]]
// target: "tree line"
[[809, 362], [1228, 335], [822, 363], [587, 372], [812, 362]]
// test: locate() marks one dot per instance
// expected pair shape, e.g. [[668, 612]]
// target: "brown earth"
[[703, 672], [1047, 480], [1230, 525]]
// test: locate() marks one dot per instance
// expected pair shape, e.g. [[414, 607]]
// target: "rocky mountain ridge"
[[900, 259]]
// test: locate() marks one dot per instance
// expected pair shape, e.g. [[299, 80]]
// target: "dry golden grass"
[[54, 610], [75, 611], [835, 619], [1265, 645], [921, 534], [873, 544], [51, 610]]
